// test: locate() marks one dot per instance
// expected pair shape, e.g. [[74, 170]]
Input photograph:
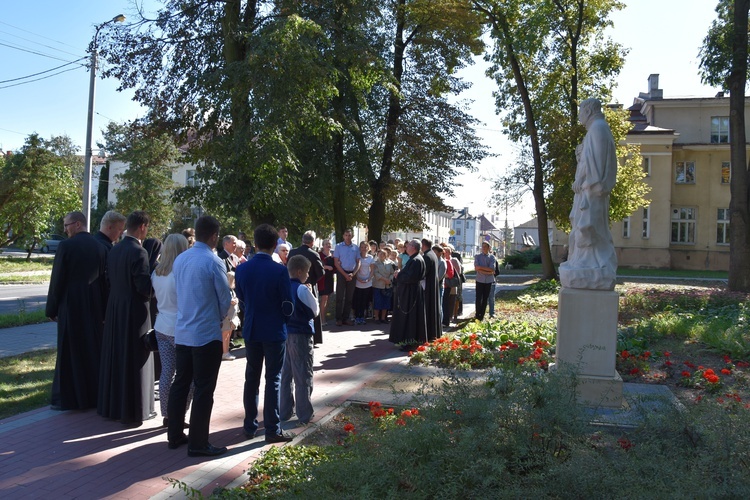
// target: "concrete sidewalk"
[[76, 454]]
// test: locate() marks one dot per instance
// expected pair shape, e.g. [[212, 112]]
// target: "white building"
[[437, 229], [467, 233]]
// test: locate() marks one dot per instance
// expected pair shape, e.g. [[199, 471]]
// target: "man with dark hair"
[[484, 264], [431, 292], [126, 388], [77, 301], [408, 327], [283, 232], [265, 289], [203, 299], [315, 273]]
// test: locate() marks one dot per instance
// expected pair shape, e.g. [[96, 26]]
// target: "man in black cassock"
[[316, 272], [431, 292], [126, 381], [76, 302], [409, 324]]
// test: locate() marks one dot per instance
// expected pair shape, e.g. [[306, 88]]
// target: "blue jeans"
[[273, 353]]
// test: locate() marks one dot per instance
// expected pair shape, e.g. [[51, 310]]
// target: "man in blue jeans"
[[264, 289], [484, 264]]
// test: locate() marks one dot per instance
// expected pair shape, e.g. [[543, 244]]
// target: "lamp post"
[[87, 167]]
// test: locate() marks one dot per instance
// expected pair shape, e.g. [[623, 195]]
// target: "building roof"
[[485, 224]]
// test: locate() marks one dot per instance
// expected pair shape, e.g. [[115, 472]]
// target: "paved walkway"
[[76, 454]]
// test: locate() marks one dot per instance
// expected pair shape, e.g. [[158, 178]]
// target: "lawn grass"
[[26, 381], [22, 318], [33, 279], [19, 264]]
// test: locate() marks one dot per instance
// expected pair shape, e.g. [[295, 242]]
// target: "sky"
[[37, 36]]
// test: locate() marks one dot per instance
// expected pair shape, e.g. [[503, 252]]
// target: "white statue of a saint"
[[592, 263]]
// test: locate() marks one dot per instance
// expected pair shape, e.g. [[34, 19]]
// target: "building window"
[[458, 231], [646, 163], [458, 222], [626, 227], [722, 226], [683, 225], [684, 172], [646, 222], [726, 172], [190, 180], [719, 129]]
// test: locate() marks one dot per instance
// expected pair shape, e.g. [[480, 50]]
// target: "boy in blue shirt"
[[297, 371]]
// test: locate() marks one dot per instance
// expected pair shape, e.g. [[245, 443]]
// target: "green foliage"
[[38, 185], [510, 434], [147, 183], [518, 260], [716, 52]]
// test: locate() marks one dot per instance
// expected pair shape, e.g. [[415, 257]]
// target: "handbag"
[[149, 341], [453, 282], [387, 292], [463, 278]]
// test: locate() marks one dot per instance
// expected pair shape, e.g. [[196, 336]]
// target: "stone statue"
[[592, 263]]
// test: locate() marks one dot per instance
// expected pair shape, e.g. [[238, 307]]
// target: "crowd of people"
[[108, 291]]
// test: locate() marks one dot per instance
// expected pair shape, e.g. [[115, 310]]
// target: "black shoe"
[[173, 445], [208, 451], [232, 345], [284, 437], [248, 434]]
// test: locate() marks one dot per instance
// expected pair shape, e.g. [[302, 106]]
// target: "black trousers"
[[483, 295], [199, 365]]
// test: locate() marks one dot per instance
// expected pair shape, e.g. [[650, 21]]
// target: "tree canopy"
[[38, 185]]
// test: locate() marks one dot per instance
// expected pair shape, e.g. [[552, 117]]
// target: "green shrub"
[[517, 260]]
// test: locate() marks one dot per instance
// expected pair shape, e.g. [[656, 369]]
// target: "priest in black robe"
[[126, 385], [409, 324], [76, 301], [431, 291]]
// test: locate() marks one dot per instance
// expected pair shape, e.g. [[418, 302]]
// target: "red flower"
[[742, 364], [625, 443], [411, 353], [686, 374], [647, 354], [634, 371], [667, 363], [390, 411], [713, 379], [374, 404], [625, 354], [406, 413], [421, 348], [689, 365], [349, 427], [400, 421], [724, 371], [667, 354], [414, 412]]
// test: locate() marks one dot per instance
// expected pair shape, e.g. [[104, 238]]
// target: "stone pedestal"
[[587, 343]]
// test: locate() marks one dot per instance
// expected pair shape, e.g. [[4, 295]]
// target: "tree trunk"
[[548, 267], [739, 206], [379, 187]]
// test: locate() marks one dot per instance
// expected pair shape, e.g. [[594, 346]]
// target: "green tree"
[[724, 62], [548, 55], [38, 185], [147, 183]]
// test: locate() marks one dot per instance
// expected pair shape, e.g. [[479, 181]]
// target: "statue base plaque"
[[587, 343]]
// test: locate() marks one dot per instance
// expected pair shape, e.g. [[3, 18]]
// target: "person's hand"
[[235, 301], [309, 286], [349, 276]]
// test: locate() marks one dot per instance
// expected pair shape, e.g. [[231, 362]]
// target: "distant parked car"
[[50, 244]]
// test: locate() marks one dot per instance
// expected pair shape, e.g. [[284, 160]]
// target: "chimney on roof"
[[654, 92], [720, 94]]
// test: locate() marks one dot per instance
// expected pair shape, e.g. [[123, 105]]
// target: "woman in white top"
[[363, 287], [163, 283]]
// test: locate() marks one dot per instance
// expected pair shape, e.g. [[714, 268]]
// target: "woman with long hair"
[[163, 283]]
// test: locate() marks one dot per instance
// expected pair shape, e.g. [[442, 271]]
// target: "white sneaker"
[[227, 357]]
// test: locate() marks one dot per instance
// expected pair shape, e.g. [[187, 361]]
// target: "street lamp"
[[87, 167]]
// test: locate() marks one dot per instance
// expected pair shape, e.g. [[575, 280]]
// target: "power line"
[[33, 52], [37, 79], [40, 36], [41, 72], [39, 43]]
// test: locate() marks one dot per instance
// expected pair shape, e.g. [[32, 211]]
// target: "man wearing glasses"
[[77, 302]]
